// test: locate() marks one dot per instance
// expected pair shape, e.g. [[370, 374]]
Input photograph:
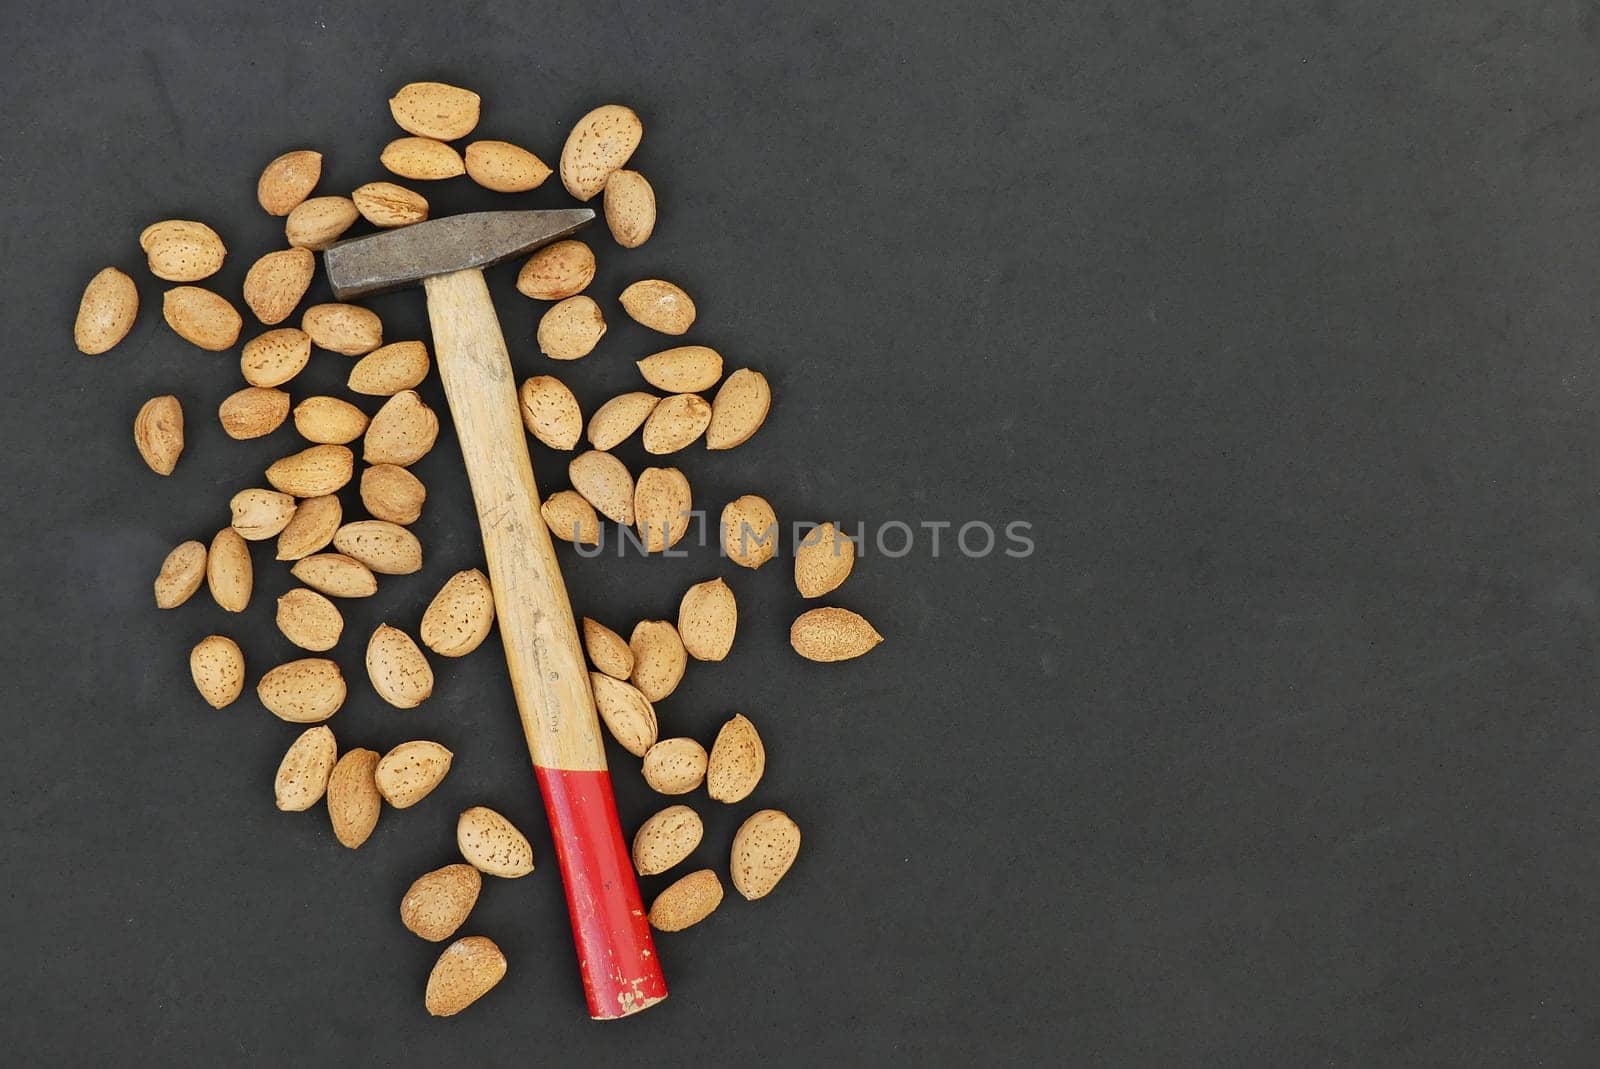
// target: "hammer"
[[621, 974]]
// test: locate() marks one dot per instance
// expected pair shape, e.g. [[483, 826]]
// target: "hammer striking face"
[[378, 263]]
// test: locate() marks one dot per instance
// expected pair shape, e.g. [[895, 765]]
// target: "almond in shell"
[[253, 412], [436, 905], [764, 849], [687, 902], [627, 714], [302, 777], [607, 650], [319, 222], [708, 616], [182, 250], [409, 772], [388, 369], [313, 472], [739, 409], [675, 766], [571, 329], [600, 143], [343, 328], [749, 531], [259, 514], [402, 432], [421, 159], [738, 761], [307, 691], [228, 571], [106, 312], [276, 283], [571, 518], [822, 560], [390, 492], [273, 358], [435, 109], [399, 672], [630, 208], [312, 528], [550, 412], [662, 508], [557, 271], [309, 620], [386, 548], [217, 665], [335, 575], [666, 839], [616, 420], [201, 318], [492, 844], [658, 658], [158, 433], [354, 803], [329, 420], [832, 634], [659, 305], [604, 482], [181, 575], [468, 969], [388, 205], [460, 615], [685, 369], [504, 167], [675, 423], [288, 180]]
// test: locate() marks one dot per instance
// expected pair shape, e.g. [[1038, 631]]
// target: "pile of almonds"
[[335, 557]]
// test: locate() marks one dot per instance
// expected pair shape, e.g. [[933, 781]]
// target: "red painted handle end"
[[617, 957]]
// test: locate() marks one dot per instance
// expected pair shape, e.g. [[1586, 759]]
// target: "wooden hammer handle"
[[621, 973]]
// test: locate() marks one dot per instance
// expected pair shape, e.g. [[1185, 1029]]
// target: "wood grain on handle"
[[543, 650]]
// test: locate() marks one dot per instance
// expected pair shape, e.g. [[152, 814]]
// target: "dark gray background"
[[1275, 320]]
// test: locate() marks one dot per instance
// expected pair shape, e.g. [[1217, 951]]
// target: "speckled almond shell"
[[385, 548], [764, 849], [314, 472], [409, 772], [600, 143], [749, 531], [402, 432], [217, 666], [666, 839], [259, 514], [276, 283], [460, 615], [388, 205], [570, 329], [822, 560], [389, 369], [739, 409], [627, 714], [492, 844], [708, 618], [106, 313], [676, 423], [504, 167], [571, 518], [390, 492], [311, 530], [399, 672], [182, 572], [182, 250], [158, 433], [617, 419], [557, 271], [307, 691], [687, 902], [738, 761], [354, 803], [275, 357], [253, 412], [630, 207], [551, 412], [335, 575], [659, 305], [832, 634], [201, 317], [468, 969], [288, 180], [437, 903], [309, 620], [435, 109], [604, 482], [684, 369], [675, 766], [608, 651], [659, 658], [329, 420], [302, 777], [422, 159], [319, 222], [343, 328], [228, 570], [662, 504]]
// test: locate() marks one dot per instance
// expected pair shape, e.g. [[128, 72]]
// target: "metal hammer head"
[[361, 267]]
